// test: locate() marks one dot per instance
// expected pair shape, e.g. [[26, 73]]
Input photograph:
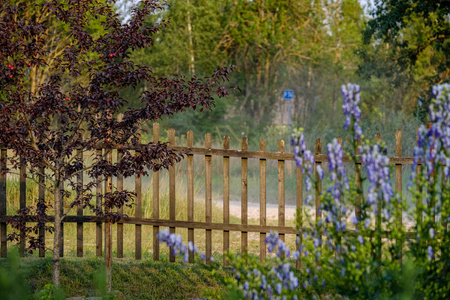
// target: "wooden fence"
[[207, 152]]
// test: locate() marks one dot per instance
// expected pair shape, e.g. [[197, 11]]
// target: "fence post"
[[155, 198], [22, 201], [419, 186], [378, 215], [99, 225], [208, 198], [108, 228], [244, 196], [41, 200], [358, 182], [138, 204], [172, 190], [318, 150], [3, 244], [120, 210], [299, 200], [226, 199], [190, 191], [262, 200], [398, 184], [80, 208], [281, 189]]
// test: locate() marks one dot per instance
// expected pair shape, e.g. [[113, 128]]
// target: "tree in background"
[[409, 46], [74, 109]]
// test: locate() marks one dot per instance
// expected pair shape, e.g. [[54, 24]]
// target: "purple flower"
[[430, 252], [278, 288], [432, 233], [350, 107], [433, 144], [377, 165], [360, 239]]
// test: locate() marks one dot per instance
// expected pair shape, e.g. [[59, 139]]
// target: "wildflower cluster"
[[273, 279], [351, 110], [304, 158], [376, 161], [175, 244]]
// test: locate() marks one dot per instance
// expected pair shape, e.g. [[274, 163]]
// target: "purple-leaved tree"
[[77, 105]]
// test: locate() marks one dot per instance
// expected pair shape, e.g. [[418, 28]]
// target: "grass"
[[131, 279]]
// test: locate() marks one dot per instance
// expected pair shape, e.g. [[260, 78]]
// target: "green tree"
[[409, 46]]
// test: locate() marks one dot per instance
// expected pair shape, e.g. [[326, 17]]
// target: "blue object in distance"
[[288, 94]]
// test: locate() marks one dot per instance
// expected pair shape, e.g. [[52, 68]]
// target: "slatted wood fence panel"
[[281, 157]]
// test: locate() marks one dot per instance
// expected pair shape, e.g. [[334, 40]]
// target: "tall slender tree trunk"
[[191, 43], [58, 230]]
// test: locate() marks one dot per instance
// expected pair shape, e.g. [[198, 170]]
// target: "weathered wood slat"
[[318, 150], [172, 190], [378, 216], [398, 183], [186, 224], [244, 196], [108, 228], [80, 209], [119, 186], [61, 237], [22, 201], [190, 192], [3, 244], [358, 186], [255, 154], [138, 206], [41, 200], [155, 198], [299, 204], [226, 199], [281, 189], [208, 199], [98, 197], [262, 200]]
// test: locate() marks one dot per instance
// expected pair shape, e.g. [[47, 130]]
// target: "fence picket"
[[22, 201], [226, 198], [299, 204], [208, 198], [281, 189], [138, 205], [244, 196], [80, 208], [318, 150], [98, 225], [398, 182], [172, 190], [108, 227], [262, 200], [120, 210], [41, 200], [190, 191], [358, 184], [3, 244], [155, 198], [378, 216]]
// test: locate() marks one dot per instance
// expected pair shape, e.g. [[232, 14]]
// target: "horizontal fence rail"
[[206, 154]]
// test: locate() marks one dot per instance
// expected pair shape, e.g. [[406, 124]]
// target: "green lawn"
[[132, 279]]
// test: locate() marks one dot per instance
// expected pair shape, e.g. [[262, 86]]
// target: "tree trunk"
[[191, 44], [58, 230]]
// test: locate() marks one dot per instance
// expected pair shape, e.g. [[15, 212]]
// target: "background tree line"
[[396, 50]]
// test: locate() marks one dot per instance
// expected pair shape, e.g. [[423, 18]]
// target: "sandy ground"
[[253, 210], [290, 210]]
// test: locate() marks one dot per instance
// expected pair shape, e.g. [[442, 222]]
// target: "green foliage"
[[12, 283]]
